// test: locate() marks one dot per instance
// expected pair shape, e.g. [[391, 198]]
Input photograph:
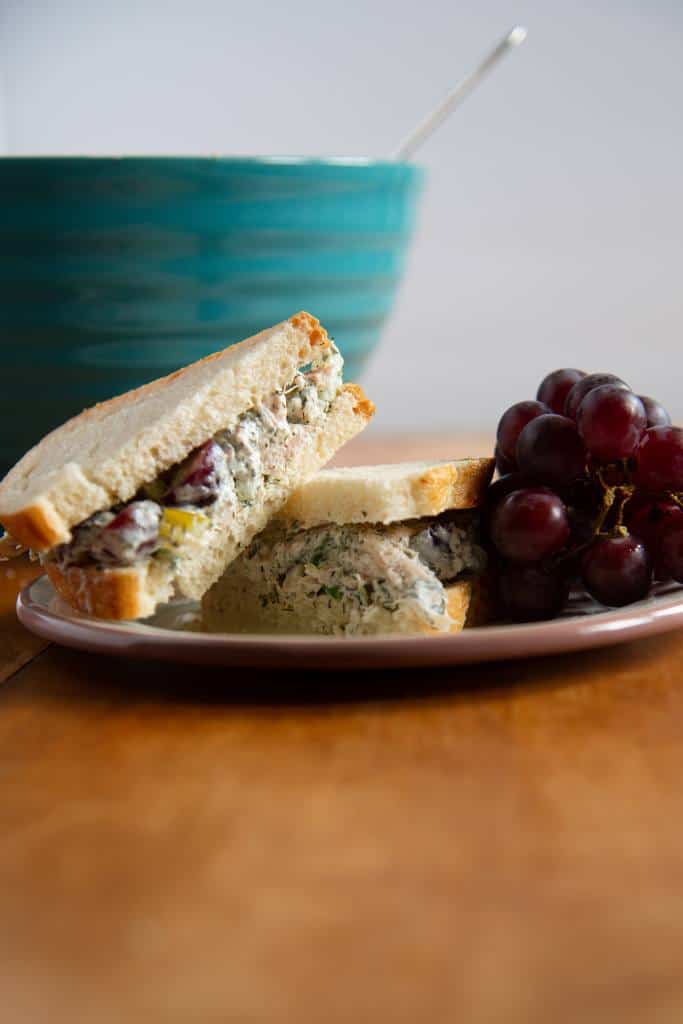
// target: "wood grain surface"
[[487, 844], [17, 646]]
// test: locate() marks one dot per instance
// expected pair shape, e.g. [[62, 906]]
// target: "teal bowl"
[[115, 271]]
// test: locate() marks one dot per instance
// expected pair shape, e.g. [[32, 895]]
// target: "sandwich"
[[151, 494], [366, 550]]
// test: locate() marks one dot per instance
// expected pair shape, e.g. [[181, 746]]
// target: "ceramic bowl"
[[115, 271]]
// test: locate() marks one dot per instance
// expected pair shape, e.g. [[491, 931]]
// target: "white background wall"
[[552, 229]]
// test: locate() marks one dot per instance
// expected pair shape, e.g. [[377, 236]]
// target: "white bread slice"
[[390, 493], [105, 454], [238, 610], [133, 592]]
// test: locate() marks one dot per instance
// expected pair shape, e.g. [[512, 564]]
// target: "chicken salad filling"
[[362, 571], [235, 466]]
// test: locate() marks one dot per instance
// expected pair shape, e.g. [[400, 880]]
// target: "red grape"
[[582, 525], [512, 422], [503, 486], [549, 448], [659, 459], [657, 416], [495, 493], [530, 524], [131, 534], [199, 478], [671, 554], [554, 388], [528, 593], [586, 384], [611, 421], [616, 570], [503, 464], [584, 493], [633, 508], [583, 499], [650, 519]]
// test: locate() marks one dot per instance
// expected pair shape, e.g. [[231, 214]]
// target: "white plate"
[[172, 635]]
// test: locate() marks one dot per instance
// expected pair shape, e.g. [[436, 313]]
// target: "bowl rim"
[[276, 160]]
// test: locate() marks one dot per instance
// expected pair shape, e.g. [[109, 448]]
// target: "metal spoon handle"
[[456, 96]]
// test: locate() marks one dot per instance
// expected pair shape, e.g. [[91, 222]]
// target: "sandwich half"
[[153, 493], [366, 550]]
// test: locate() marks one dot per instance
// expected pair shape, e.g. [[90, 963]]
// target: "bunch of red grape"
[[590, 491]]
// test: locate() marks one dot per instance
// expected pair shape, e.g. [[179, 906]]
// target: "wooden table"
[[491, 844]]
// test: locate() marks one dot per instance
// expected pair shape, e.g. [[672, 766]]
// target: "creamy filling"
[[366, 569], [449, 547], [234, 466]]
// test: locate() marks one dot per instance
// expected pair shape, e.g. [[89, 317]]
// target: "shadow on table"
[[64, 673]]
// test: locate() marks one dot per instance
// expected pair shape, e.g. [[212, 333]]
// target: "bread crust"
[[458, 597], [452, 485], [389, 494], [60, 482], [317, 335], [470, 602], [123, 593], [35, 527], [362, 406]]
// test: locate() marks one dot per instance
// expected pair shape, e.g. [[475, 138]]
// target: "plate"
[[173, 635]]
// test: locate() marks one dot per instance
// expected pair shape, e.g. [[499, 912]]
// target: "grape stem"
[[609, 495], [625, 494]]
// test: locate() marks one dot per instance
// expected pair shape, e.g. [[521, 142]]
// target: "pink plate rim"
[[40, 611]]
